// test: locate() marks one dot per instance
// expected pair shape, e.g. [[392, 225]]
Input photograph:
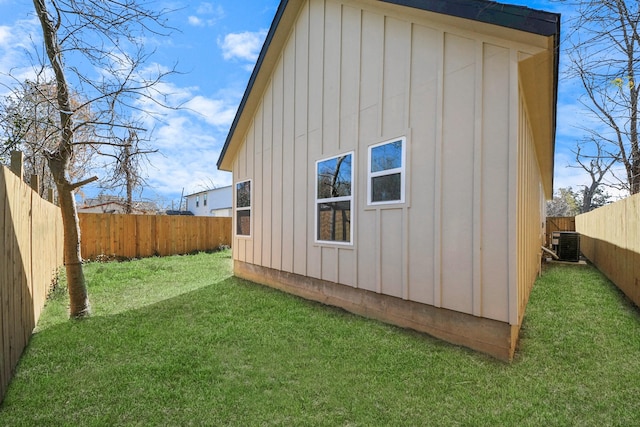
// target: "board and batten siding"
[[353, 75], [531, 202]]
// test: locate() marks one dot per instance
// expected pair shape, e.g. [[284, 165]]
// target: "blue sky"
[[216, 49]]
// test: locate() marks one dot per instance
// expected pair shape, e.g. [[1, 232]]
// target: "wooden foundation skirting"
[[492, 337]]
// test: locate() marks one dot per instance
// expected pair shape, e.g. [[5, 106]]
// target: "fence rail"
[[30, 254], [140, 236], [610, 239]]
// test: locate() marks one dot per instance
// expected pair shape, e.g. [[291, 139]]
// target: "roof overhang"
[[539, 82], [489, 12], [276, 37]]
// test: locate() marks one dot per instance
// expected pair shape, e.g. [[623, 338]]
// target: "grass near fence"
[[178, 341]]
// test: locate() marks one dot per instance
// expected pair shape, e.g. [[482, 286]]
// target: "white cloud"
[[210, 9], [207, 15], [186, 161], [576, 177], [245, 46], [195, 21], [214, 111], [15, 41], [189, 140], [5, 35]]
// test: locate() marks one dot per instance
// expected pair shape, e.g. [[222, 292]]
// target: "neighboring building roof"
[[510, 16], [188, 213], [110, 203]]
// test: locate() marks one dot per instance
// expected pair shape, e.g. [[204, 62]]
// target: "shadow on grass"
[[237, 353]]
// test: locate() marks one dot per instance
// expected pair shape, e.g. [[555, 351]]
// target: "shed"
[[393, 157]]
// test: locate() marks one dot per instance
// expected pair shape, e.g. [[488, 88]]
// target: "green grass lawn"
[[178, 341]]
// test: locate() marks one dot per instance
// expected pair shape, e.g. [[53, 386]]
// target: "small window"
[[204, 200], [387, 172], [197, 201], [243, 208], [334, 199]]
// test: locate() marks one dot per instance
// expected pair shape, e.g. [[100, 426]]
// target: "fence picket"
[[139, 236], [610, 239], [31, 244], [31, 248]]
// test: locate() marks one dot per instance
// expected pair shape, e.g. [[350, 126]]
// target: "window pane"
[[386, 188], [334, 177], [387, 156], [243, 194], [243, 223], [334, 221]]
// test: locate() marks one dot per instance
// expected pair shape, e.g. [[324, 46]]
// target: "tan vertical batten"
[[437, 202], [477, 182], [512, 228]]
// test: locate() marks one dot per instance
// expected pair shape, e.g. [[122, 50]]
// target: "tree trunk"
[[129, 177], [59, 164], [635, 176], [77, 287], [587, 197]]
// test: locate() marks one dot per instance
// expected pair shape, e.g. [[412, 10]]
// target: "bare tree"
[[127, 157], [604, 54], [597, 165], [332, 183], [29, 123], [109, 36]]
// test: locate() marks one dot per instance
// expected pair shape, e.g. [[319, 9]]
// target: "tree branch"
[[84, 182]]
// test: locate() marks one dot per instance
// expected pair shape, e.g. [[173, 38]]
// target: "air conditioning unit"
[[566, 244]]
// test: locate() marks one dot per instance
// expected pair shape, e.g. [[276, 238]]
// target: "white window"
[[204, 200], [197, 201], [243, 208], [386, 174], [334, 199]]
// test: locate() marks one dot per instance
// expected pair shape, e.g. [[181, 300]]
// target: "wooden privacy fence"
[[139, 236], [30, 255], [559, 223], [610, 239]]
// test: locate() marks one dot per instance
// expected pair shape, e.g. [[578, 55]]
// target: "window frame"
[[349, 198], [402, 170], [243, 208], [197, 201], [204, 199]]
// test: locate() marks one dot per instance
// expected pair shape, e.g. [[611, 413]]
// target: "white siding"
[[219, 201]]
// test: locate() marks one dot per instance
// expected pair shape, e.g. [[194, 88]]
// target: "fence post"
[[17, 163], [35, 183], [50, 195]]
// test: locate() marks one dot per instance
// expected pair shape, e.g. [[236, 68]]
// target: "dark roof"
[[188, 213], [490, 12], [510, 16], [104, 200]]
